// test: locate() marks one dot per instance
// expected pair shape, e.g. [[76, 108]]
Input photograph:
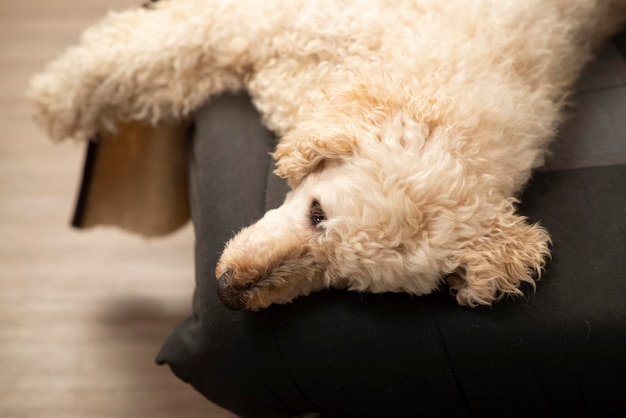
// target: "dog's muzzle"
[[232, 297]]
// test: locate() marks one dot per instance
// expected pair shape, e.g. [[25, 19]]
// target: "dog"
[[407, 128]]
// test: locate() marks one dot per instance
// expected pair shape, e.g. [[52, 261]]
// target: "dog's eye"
[[316, 214]]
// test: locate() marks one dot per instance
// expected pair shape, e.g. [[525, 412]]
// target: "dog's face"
[[364, 223], [381, 203], [336, 229], [344, 225]]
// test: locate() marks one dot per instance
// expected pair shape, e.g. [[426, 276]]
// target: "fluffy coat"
[[407, 128]]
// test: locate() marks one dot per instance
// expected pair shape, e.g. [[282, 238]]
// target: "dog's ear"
[[496, 263], [302, 151], [363, 110]]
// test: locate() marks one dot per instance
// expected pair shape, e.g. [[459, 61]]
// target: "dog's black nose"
[[232, 297]]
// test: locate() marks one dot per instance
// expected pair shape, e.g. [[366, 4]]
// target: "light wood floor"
[[82, 314]]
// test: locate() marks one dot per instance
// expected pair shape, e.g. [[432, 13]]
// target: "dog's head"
[[380, 203]]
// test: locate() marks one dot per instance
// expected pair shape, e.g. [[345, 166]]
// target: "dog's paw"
[[94, 84], [74, 97], [498, 264], [60, 97]]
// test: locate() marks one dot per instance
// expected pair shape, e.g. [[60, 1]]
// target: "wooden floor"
[[82, 314]]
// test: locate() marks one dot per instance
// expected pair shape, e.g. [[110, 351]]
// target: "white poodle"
[[407, 128]]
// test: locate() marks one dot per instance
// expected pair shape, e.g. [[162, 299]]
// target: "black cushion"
[[560, 352]]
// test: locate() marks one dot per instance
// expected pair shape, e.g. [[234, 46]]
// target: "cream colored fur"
[[414, 124]]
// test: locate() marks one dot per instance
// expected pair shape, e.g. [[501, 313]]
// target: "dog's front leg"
[[152, 65]]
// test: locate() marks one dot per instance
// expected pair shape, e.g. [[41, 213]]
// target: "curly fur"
[[413, 123]]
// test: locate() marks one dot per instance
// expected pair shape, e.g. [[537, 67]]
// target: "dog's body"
[[407, 127]]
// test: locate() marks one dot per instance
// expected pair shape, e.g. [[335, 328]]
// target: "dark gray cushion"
[[343, 354]]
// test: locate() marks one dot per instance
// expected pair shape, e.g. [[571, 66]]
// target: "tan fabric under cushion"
[[137, 181]]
